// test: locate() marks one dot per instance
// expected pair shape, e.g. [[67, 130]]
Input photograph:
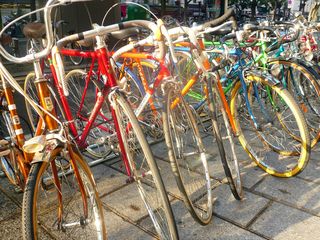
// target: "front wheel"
[[187, 156], [144, 170], [79, 214], [225, 137]]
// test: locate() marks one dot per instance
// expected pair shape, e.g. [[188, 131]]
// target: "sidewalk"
[[273, 208]]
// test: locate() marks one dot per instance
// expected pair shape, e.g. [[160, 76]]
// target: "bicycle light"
[[35, 144]]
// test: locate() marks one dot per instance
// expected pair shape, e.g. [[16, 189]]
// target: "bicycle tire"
[[267, 160], [145, 172], [224, 137], [81, 100], [151, 114], [75, 59], [30, 89], [178, 118], [13, 164], [37, 219], [305, 90]]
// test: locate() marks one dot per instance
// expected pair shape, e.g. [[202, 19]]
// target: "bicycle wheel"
[[269, 144], [13, 164], [225, 139], [140, 78], [74, 59], [41, 209], [144, 170], [187, 155], [30, 89], [82, 98], [197, 96], [303, 86]]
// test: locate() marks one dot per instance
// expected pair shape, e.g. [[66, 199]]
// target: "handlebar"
[[283, 41], [104, 30], [49, 32], [228, 36], [254, 28]]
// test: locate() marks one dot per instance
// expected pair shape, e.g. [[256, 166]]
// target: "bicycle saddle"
[[125, 33], [5, 39], [87, 42], [34, 30]]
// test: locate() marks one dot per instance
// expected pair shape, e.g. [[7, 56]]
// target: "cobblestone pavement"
[[273, 208]]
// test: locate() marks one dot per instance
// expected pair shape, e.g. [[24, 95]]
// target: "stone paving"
[[273, 208]]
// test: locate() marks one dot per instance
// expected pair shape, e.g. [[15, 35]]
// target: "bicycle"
[[131, 143], [56, 171]]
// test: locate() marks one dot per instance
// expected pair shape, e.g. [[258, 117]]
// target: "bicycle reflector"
[[35, 144]]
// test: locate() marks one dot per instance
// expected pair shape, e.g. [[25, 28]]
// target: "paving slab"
[[119, 229], [10, 190], [251, 174], [241, 212], [281, 222], [312, 171], [160, 150], [108, 179], [7, 207], [169, 179], [11, 229], [214, 160], [218, 229], [296, 191], [127, 201]]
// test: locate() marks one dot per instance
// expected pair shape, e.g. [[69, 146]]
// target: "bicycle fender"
[[263, 77]]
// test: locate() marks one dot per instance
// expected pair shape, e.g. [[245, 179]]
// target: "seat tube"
[[44, 96], [110, 80], [13, 113]]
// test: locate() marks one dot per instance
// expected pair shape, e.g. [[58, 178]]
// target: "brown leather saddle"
[[34, 30]]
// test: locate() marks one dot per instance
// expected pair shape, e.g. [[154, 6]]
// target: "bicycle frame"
[[101, 57]]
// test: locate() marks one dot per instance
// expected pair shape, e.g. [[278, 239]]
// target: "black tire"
[[31, 90], [141, 161], [74, 59], [224, 138], [187, 156], [40, 201]]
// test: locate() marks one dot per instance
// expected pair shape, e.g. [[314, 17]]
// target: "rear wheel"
[[187, 156], [82, 98], [303, 86], [74, 59]]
